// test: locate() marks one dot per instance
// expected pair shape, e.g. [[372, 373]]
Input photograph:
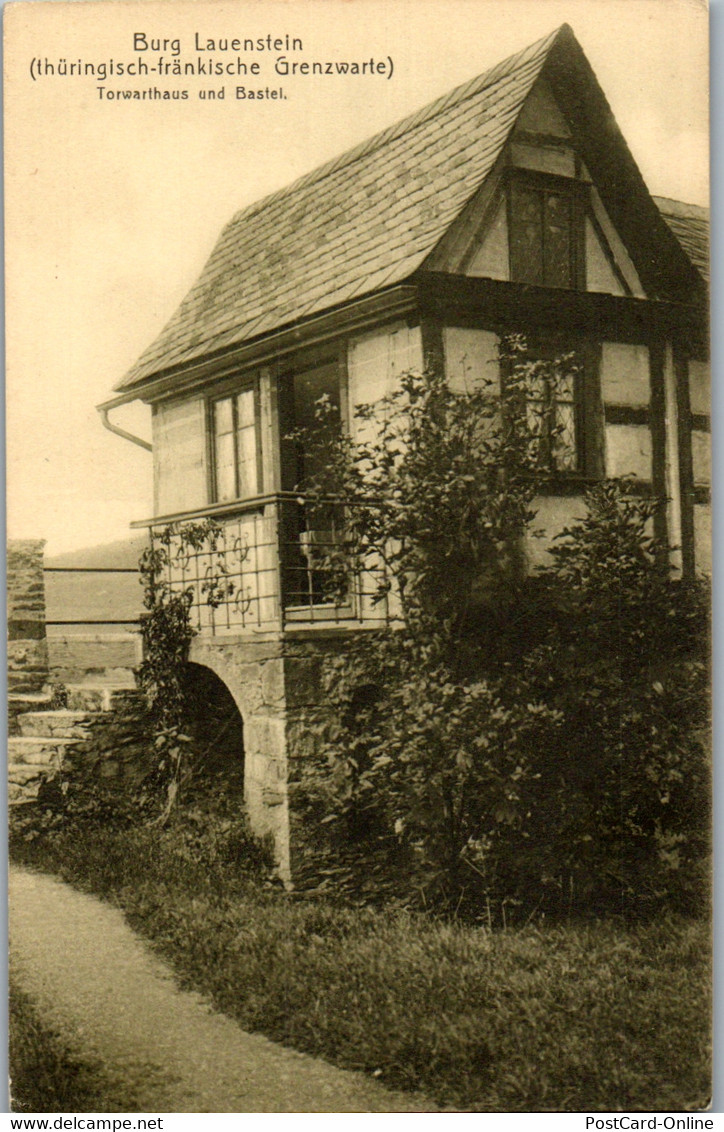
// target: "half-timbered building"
[[513, 204]]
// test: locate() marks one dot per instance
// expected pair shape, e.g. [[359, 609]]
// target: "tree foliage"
[[515, 740]]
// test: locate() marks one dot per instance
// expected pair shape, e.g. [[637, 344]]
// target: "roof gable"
[[371, 218], [359, 223]]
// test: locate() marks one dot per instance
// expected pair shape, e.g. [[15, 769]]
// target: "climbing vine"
[[167, 632]]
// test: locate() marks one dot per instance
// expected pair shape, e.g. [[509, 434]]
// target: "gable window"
[[545, 226], [235, 443]]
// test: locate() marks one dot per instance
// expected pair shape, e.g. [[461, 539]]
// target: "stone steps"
[[28, 701], [19, 704], [99, 697], [41, 735], [61, 724], [24, 782], [37, 750]]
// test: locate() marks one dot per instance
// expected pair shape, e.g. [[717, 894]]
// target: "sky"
[[112, 207]]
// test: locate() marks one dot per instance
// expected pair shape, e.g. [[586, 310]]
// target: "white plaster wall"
[[702, 538], [375, 362], [553, 514], [179, 456], [471, 359], [492, 261], [616, 244], [544, 159], [625, 374], [672, 459], [700, 386], [628, 451], [701, 457], [600, 275]]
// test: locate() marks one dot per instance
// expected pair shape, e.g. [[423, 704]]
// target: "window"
[[545, 232], [311, 402], [548, 394], [309, 391], [551, 409], [235, 442]]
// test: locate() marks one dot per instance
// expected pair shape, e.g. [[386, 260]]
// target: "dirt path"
[[161, 1049]]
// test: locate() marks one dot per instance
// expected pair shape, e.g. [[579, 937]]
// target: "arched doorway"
[[217, 730]]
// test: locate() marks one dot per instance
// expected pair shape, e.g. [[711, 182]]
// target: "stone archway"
[[252, 673], [217, 726]]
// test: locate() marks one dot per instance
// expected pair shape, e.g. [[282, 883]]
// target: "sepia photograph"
[[358, 557]]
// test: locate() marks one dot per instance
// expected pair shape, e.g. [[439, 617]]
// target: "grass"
[[573, 1017], [45, 1076]]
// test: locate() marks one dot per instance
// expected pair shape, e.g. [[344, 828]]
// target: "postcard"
[[359, 546]]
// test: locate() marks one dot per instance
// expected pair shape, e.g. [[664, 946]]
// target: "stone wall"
[[27, 643], [253, 671], [75, 658], [307, 677], [278, 686]]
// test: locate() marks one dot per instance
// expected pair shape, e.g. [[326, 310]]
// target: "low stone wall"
[[83, 657], [307, 671], [27, 643]]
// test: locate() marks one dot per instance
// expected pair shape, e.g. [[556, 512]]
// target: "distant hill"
[[120, 555]]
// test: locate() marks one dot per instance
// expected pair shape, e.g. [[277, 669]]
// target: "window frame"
[[577, 194], [230, 390], [296, 367], [587, 407]]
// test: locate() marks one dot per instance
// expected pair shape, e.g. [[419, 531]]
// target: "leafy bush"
[[627, 783], [437, 485], [523, 743]]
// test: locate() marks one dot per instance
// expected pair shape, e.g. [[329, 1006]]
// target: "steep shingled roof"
[[690, 225], [368, 219], [361, 222]]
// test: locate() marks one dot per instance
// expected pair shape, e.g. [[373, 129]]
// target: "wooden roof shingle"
[[368, 219], [690, 225], [364, 220]]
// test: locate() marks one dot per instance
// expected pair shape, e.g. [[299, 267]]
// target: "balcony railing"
[[271, 562]]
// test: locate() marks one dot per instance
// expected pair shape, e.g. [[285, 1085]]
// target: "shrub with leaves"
[[621, 813], [438, 486], [521, 743]]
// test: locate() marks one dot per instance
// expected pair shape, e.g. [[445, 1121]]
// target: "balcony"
[[270, 563]]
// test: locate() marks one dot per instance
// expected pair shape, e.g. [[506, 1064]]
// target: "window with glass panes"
[[557, 400], [235, 445], [544, 237], [552, 411]]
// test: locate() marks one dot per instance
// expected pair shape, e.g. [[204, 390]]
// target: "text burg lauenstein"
[[144, 42]]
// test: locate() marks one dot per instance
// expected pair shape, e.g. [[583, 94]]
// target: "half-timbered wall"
[[700, 404], [179, 452], [625, 388], [375, 363], [479, 243]]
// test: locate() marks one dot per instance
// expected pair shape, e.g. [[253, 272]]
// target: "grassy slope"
[[562, 1018], [45, 1076]]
